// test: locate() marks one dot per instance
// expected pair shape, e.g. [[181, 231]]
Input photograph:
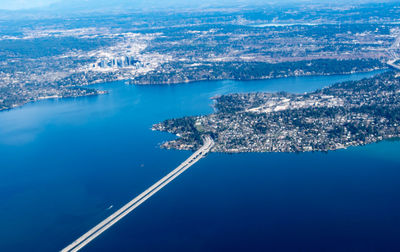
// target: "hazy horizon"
[[84, 5]]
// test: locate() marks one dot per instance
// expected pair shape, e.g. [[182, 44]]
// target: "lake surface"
[[64, 163]]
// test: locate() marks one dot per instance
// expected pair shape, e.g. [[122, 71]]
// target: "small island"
[[345, 114]]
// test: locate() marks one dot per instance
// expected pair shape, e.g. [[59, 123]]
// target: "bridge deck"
[[138, 200]]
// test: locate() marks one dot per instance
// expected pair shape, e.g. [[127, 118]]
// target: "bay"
[[66, 164]]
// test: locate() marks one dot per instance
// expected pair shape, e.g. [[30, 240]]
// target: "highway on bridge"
[[393, 52], [138, 200]]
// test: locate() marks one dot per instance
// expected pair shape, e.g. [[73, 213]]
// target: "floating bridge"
[[138, 200]]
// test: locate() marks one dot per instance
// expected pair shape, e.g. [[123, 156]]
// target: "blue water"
[[63, 163]]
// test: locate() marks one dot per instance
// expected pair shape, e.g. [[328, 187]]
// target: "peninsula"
[[346, 114]]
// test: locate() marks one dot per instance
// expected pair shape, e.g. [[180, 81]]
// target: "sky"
[[89, 4], [24, 4], [29, 4]]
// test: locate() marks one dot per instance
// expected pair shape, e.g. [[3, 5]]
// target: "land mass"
[[43, 58], [345, 114]]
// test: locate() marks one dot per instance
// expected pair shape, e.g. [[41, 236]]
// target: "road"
[[391, 63], [138, 200], [393, 52]]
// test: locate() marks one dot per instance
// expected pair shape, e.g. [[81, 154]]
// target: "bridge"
[[138, 200], [394, 54], [392, 64]]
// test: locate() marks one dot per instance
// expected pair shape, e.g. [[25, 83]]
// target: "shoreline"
[[257, 79], [352, 103], [100, 92], [392, 139]]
